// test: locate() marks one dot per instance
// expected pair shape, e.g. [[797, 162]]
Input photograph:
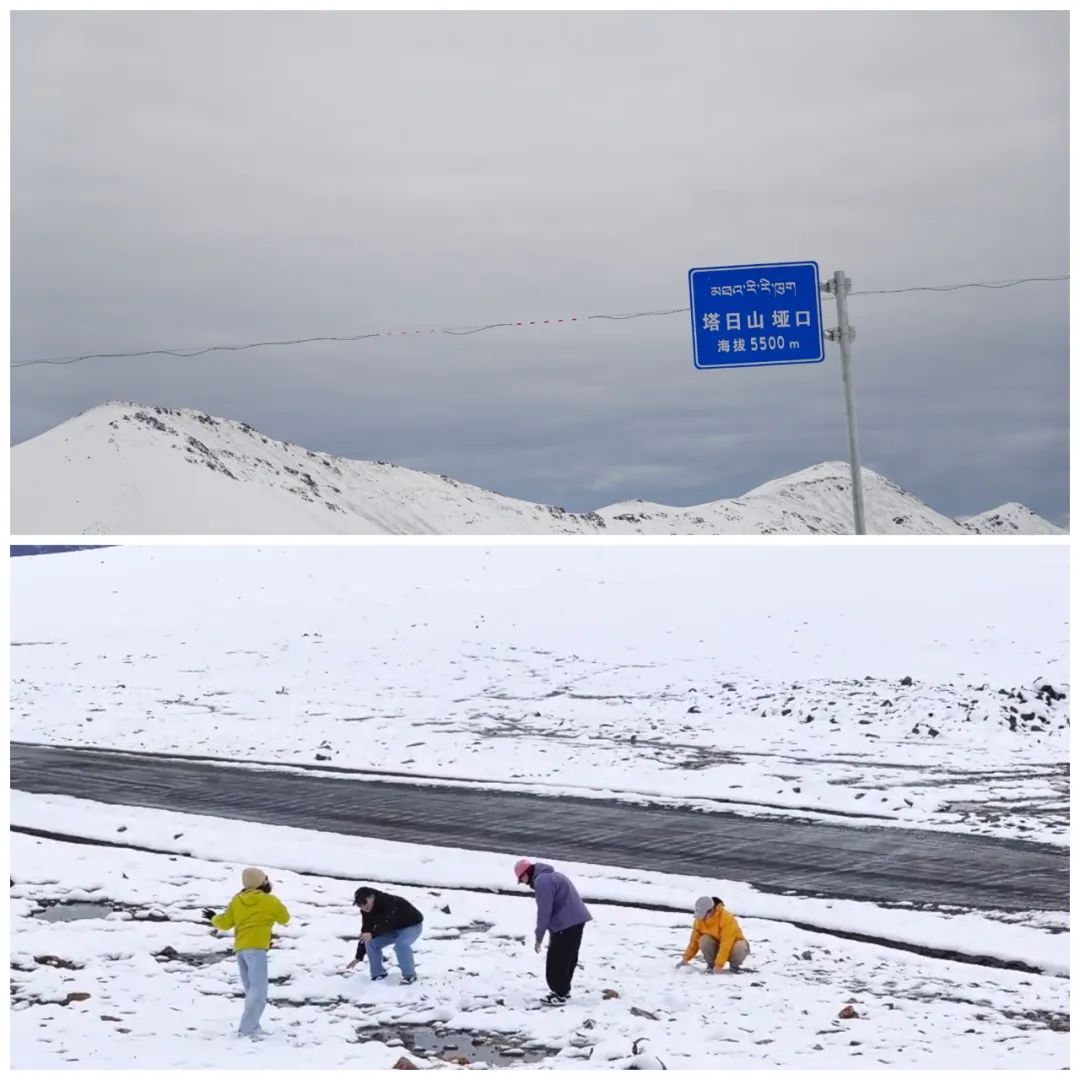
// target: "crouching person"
[[718, 936], [387, 920], [251, 913]]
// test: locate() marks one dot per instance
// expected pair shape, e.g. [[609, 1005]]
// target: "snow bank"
[[331, 854]]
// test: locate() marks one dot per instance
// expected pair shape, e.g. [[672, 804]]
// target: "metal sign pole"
[[840, 286]]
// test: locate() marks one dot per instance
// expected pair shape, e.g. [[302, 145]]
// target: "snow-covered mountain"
[[1010, 519], [123, 468]]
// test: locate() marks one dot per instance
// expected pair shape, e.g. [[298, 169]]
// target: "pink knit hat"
[[522, 867]]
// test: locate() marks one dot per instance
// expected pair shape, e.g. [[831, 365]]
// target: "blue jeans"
[[402, 940], [252, 965]]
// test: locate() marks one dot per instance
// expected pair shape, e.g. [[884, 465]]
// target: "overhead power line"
[[462, 331], [1007, 284]]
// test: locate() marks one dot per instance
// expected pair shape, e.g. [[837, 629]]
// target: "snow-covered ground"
[[907, 686], [128, 469], [143, 982]]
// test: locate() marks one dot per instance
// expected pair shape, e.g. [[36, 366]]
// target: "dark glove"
[[208, 913], [361, 951]]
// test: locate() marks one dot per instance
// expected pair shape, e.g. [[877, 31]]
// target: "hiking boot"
[[376, 978], [554, 999], [408, 980]]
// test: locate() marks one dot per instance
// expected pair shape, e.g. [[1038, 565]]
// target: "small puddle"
[[488, 1048], [73, 911]]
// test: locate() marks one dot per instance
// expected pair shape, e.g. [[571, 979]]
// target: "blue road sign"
[[749, 316]]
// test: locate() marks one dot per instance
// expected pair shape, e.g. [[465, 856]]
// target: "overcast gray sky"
[[181, 179]]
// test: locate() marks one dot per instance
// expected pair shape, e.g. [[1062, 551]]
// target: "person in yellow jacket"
[[252, 913], [718, 935]]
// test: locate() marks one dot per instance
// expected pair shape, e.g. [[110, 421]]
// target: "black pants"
[[562, 958]]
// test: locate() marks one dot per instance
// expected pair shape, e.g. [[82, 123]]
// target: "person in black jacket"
[[386, 920]]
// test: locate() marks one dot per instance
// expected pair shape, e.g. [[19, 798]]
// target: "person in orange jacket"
[[718, 935]]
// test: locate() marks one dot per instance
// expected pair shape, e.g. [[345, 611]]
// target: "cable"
[[640, 314], [462, 331], [1008, 284], [191, 351]]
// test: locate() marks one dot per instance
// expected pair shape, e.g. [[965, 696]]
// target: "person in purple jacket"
[[560, 913]]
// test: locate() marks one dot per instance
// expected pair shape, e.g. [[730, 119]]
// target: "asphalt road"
[[878, 864]]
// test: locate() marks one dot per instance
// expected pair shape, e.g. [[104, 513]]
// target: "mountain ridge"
[[130, 469]]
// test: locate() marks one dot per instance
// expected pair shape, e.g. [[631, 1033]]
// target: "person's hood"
[[542, 868], [251, 897]]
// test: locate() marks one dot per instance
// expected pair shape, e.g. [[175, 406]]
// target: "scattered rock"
[[848, 1013], [56, 962], [75, 995], [934, 733], [907, 680], [589, 1024], [694, 709], [445, 909], [609, 994], [114, 1019], [403, 1063], [808, 955], [169, 953], [122, 828], [322, 757], [635, 1011]]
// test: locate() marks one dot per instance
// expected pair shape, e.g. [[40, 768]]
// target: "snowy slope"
[[148, 984], [789, 678], [130, 469]]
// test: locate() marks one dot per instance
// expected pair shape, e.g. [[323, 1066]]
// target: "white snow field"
[[905, 686], [128, 469], [137, 979]]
